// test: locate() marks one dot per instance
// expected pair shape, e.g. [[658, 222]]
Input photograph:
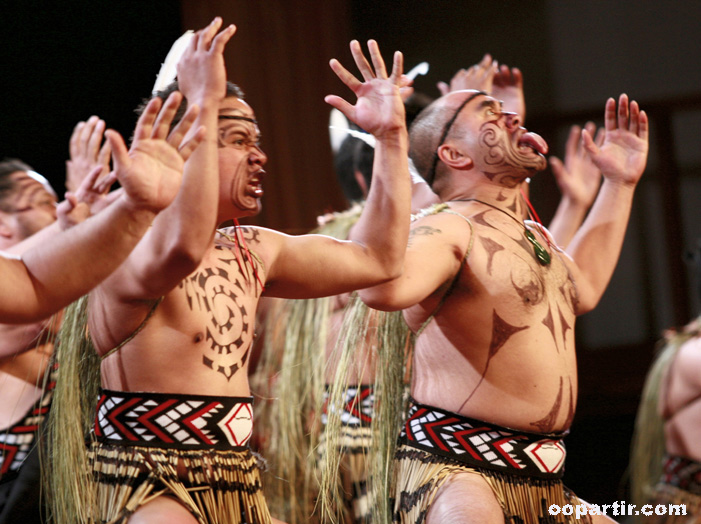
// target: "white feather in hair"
[[339, 126], [169, 68], [365, 137]]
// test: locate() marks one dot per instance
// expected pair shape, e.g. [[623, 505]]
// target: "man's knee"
[[162, 510], [465, 499]]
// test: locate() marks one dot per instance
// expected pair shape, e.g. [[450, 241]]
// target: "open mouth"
[[254, 187], [534, 142]]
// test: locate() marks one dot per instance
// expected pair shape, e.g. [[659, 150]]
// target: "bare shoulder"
[[444, 228], [688, 361]]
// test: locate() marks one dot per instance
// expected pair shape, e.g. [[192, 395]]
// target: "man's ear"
[[453, 157], [6, 228]]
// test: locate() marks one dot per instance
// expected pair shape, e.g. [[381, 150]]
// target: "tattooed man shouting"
[[493, 303], [174, 326]]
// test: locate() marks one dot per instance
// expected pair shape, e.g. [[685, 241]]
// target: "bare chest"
[[218, 302]]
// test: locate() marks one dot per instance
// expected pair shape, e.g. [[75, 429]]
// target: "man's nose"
[[258, 156], [513, 120]]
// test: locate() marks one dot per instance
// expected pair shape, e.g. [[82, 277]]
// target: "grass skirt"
[[217, 487]]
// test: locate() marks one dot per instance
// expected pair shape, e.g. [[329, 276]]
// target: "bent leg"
[[162, 510], [465, 498]]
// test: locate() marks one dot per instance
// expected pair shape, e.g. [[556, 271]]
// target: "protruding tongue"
[[535, 141]]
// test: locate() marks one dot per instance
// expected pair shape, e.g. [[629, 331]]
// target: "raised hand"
[[578, 177], [201, 70], [151, 170], [479, 76], [623, 154], [508, 87], [85, 152], [91, 197], [379, 108]]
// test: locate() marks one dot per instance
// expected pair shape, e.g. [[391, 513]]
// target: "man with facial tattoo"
[[492, 301], [173, 327]]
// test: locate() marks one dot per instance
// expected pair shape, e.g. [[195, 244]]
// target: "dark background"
[[62, 62]]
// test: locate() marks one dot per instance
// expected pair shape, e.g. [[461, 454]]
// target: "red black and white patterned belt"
[[17, 441], [168, 420], [481, 445], [683, 473], [356, 408]]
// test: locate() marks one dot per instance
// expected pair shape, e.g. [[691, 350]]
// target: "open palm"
[[623, 155], [150, 172]]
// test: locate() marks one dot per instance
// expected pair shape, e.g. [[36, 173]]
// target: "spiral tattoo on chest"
[[219, 292]]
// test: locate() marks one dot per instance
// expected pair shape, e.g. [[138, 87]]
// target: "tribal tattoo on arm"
[[422, 231]]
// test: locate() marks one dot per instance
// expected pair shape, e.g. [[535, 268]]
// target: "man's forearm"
[[69, 264], [597, 245], [190, 220], [384, 225]]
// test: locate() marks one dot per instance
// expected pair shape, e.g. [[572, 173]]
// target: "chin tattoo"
[[508, 166]]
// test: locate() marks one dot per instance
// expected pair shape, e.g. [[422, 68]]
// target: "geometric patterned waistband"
[[169, 420], [17, 441], [481, 445], [683, 473], [356, 410]]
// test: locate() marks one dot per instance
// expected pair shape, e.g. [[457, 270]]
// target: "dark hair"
[[353, 155], [413, 106], [7, 185], [232, 90], [429, 131], [424, 135]]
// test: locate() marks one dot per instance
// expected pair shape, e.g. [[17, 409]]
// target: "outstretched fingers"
[[183, 127], [222, 39], [89, 182], [360, 60], [106, 183], [377, 60], [189, 146], [397, 68], [610, 115], [573, 141], [344, 75], [165, 116], [120, 154], [144, 126], [623, 112], [643, 125], [207, 34], [342, 105], [638, 121]]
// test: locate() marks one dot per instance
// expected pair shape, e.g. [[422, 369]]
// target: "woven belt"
[[683, 473], [481, 445], [176, 421], [357, 406]]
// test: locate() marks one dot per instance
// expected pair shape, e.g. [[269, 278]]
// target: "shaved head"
[[431, 128]]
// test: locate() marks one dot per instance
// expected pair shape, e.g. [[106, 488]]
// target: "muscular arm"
[[315, 265], [16, 339], [180, 236], [621, 159], [69, 264], [578, 179], [437, 245]]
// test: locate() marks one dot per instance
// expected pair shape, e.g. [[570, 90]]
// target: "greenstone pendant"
[[541, 254]]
